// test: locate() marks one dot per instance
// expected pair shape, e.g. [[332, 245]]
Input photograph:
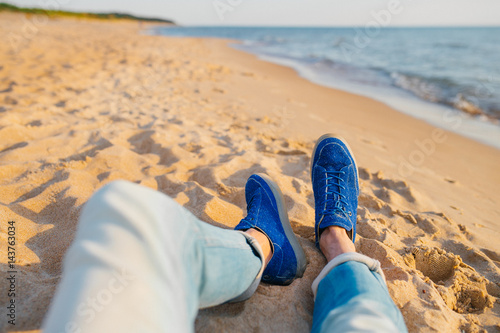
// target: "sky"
[[294, 12]]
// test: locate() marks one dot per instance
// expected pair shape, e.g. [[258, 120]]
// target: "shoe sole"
[[331, 135], [300, 256]]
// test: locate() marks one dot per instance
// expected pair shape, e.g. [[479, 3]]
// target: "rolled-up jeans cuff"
[[372, 264], [251, 289]]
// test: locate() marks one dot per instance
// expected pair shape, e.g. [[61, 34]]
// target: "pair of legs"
[[142, 263]]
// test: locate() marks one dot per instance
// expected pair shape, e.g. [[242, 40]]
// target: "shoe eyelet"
[[350, 214]]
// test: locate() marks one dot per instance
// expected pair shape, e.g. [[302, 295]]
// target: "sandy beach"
[[83, 103]]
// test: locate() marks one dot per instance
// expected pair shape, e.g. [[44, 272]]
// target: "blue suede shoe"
[[266, 213], [334, 176]]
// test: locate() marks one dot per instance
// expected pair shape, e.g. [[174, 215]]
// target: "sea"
[[449, 77]]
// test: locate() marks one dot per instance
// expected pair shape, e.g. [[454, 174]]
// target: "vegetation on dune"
[[103, 16]]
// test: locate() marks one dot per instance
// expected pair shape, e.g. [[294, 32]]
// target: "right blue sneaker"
[[334, 176]]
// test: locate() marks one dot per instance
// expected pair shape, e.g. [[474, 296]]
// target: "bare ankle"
[[335, 241], [263, 242]]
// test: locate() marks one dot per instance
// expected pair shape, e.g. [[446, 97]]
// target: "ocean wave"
[[320, 62], [451, 45], [417, 85], [462, 103], [446, 92]]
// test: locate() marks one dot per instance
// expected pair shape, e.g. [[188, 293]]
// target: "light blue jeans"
[[351, 296], [142, 263]]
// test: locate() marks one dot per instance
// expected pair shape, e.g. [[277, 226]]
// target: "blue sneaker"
[[266, 213], [334, 176]]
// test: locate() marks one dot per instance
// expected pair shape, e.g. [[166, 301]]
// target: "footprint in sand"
[[390, 187], [9, 100], [389, 190], [377, 144], [450, 180], [461, 287]]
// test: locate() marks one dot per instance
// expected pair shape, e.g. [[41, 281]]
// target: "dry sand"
[[83, 103]]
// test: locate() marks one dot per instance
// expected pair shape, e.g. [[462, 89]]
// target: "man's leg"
[[142, 263], [350, 292]]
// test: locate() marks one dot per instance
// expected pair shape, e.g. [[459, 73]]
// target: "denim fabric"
[[335, 184], [263, 207], [353, 297], [142, 263]]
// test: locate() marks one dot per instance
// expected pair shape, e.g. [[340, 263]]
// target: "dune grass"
[[59, 13]]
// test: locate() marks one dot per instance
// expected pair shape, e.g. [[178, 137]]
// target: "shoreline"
[[481, 130], [86, 103], [484, 130]]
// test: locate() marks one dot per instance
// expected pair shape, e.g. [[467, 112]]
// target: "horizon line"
[[329, 26]]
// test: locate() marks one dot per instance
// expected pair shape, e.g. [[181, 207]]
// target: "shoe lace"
[[333, 189], [251, 213]]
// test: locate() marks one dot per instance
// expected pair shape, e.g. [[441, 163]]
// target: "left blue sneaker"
[[266, 213], [334, 176]]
